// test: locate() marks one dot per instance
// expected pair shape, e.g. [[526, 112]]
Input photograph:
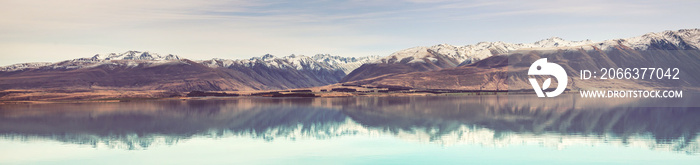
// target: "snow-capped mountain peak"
[[346, 64], [136, 55], [672, 40], [460, 54], [554, 42], [22, 66], [129, 58]]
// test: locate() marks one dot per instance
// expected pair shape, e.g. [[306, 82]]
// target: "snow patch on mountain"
[[470, 53], [679, 39], [298, 62]]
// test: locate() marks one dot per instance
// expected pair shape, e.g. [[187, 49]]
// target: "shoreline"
[[98, 97], [45, 96]]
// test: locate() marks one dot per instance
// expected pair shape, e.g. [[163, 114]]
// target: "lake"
[[456, 129]]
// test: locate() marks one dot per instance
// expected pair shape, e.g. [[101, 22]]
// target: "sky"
[[55, 30]]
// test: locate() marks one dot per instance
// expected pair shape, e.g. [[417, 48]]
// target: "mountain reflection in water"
[[444, 120]]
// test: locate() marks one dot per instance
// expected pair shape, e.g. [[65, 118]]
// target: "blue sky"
[[50, 31]]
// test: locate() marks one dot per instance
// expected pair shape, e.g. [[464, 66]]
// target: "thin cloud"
[[245, 28]]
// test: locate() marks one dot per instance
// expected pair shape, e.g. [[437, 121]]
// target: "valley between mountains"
[[485, 66]]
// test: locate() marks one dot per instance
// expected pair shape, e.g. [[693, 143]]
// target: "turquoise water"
[[358, 130]]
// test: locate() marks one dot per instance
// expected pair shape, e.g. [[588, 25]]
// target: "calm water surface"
[[358, 130]]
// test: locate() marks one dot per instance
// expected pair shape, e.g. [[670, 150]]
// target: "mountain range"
[[506, 66], [134, 70], [482, 66]]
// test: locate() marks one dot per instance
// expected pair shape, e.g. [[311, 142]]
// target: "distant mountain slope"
[[149, 71], [444, 56]]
